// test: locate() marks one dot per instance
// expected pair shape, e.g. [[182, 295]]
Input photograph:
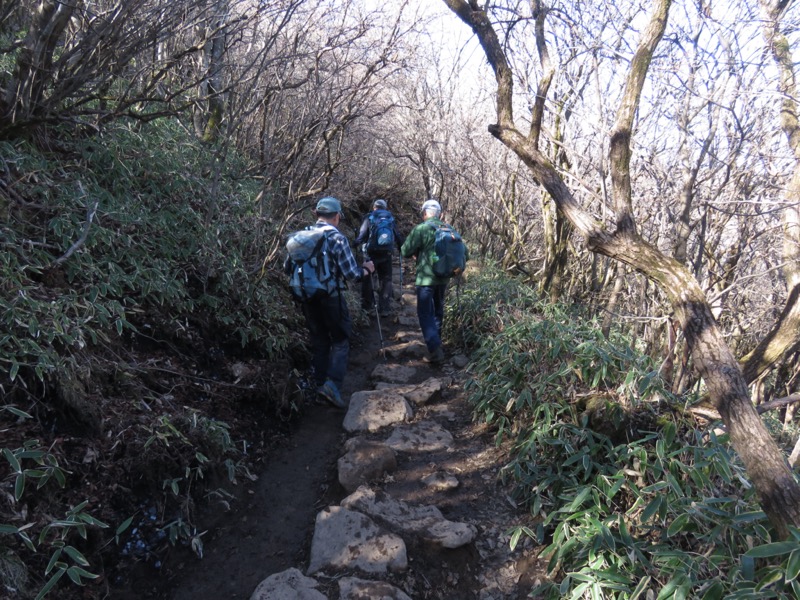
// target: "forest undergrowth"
[[148, 356], [629, 492], [152, 363]]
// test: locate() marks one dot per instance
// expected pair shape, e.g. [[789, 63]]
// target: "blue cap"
[[329, 206]]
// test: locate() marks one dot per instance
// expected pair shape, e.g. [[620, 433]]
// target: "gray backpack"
[[312, 268]]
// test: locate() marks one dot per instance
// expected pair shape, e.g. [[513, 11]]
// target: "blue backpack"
[[381, 232], [312, 270], [450, 253]]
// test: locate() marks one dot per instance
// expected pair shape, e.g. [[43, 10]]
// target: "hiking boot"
[[330, 392], [437, 356]]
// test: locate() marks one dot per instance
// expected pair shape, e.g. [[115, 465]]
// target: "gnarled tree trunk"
[[777, 489]]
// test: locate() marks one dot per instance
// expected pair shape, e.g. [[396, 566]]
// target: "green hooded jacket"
[[419, 243]]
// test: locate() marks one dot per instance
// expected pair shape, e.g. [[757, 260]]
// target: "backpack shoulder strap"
[[328, 231]]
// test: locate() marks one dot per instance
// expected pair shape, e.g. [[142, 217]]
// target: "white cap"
[[433, 206]]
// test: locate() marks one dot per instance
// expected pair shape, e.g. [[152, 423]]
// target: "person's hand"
[[369, 266]]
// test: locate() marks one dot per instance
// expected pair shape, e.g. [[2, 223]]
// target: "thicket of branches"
[[335, 97]]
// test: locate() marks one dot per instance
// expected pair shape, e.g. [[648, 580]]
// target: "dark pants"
[[383, 267], [329, 326], [430, 311]]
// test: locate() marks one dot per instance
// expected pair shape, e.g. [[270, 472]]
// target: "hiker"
[[430, 288], [326, 314], [379, 235]]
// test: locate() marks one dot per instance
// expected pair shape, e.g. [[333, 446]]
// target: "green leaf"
[[28, 542], [772, 575], [579, 500], [714, 592], [12, 460], [87, 518], [60, 477], [53, 561], [678, 525], [577, 593], [640, 589], [673, 588], [748, 567], [19, 486], [124, 525], [17, 412], [75, 573], [50, 584], [793, 566], [674, 484], [774, 549], [749, 517], [76, 556], [615, 488], [515, 538], [651, 509]]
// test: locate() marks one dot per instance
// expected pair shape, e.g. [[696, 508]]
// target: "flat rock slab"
[[426, 392], [460, 361], [441, 481], [408, 299], [352, 588], [408, 321], [288, 585], [364, 461], [425, 436], [410, 349], [370, 410], [407, 335], [345, 539], [393, 373], [426, 522]]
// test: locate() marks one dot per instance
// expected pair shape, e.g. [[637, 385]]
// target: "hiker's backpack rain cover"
[[312, 270]]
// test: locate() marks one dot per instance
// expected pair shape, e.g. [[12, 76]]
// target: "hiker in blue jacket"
[[327, 317], [380, 252]]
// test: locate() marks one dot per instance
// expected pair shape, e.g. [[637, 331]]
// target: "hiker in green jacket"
[[430, 289]]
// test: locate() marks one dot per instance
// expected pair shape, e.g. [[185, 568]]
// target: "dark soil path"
[[270, 526]]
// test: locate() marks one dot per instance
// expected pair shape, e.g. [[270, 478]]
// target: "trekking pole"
[[401, 274], [374, 301], [378, 317]]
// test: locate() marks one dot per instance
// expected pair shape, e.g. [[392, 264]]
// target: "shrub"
[[627, 497]]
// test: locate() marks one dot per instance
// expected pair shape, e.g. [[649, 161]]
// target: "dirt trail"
[[269, 528]]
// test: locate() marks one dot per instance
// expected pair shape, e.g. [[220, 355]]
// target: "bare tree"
[[778, 491], [784, 338], [89, 62]]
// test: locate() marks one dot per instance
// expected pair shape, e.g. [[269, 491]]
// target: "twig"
[[89, 217], [773, 404]]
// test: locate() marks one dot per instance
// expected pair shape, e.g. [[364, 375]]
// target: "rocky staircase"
[[400, 463]]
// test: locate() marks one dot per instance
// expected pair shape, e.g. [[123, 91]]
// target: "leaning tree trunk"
[[766, 466]]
